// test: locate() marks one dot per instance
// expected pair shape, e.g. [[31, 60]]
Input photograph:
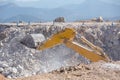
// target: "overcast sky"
[[51, 3]]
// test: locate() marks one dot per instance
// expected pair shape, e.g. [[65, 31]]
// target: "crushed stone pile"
[[17, 60]]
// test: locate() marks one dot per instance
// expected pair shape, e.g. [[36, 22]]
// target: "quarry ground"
[[94, 71], [17, 61]]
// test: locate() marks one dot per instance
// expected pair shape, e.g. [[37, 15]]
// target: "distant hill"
[[91, 9], [114, 18], [88, 9], [22, 18]]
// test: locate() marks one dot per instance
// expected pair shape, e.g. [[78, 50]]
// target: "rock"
[[7, 73], [1, 70], [1, 44], [59, 19], [2, 36], [9, 77], [4, 65], [14, 70], [118, 34], [100, 19], [33, 40], [119, 37]]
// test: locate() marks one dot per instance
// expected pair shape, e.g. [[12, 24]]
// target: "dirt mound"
[[2, 77], [94, 71]]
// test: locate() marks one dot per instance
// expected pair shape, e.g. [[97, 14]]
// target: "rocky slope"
[[17, 60]]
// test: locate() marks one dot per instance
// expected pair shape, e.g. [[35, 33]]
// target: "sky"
[[51, 3]]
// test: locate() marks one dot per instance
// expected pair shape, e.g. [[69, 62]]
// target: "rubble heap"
[[17, 60]]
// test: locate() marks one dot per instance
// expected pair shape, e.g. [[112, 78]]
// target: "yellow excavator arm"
[[66, 36], [58, 38]]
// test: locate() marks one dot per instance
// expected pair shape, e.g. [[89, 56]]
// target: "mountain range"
[[89, 9]]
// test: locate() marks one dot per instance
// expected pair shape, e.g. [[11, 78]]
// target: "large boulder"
[[59, 19], [100, 19], [32, 40]]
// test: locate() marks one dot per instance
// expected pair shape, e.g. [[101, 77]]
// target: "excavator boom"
[[66, 37], [86, 52], [58, 38]]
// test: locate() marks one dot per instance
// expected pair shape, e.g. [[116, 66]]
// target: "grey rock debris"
[[18, 60]]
